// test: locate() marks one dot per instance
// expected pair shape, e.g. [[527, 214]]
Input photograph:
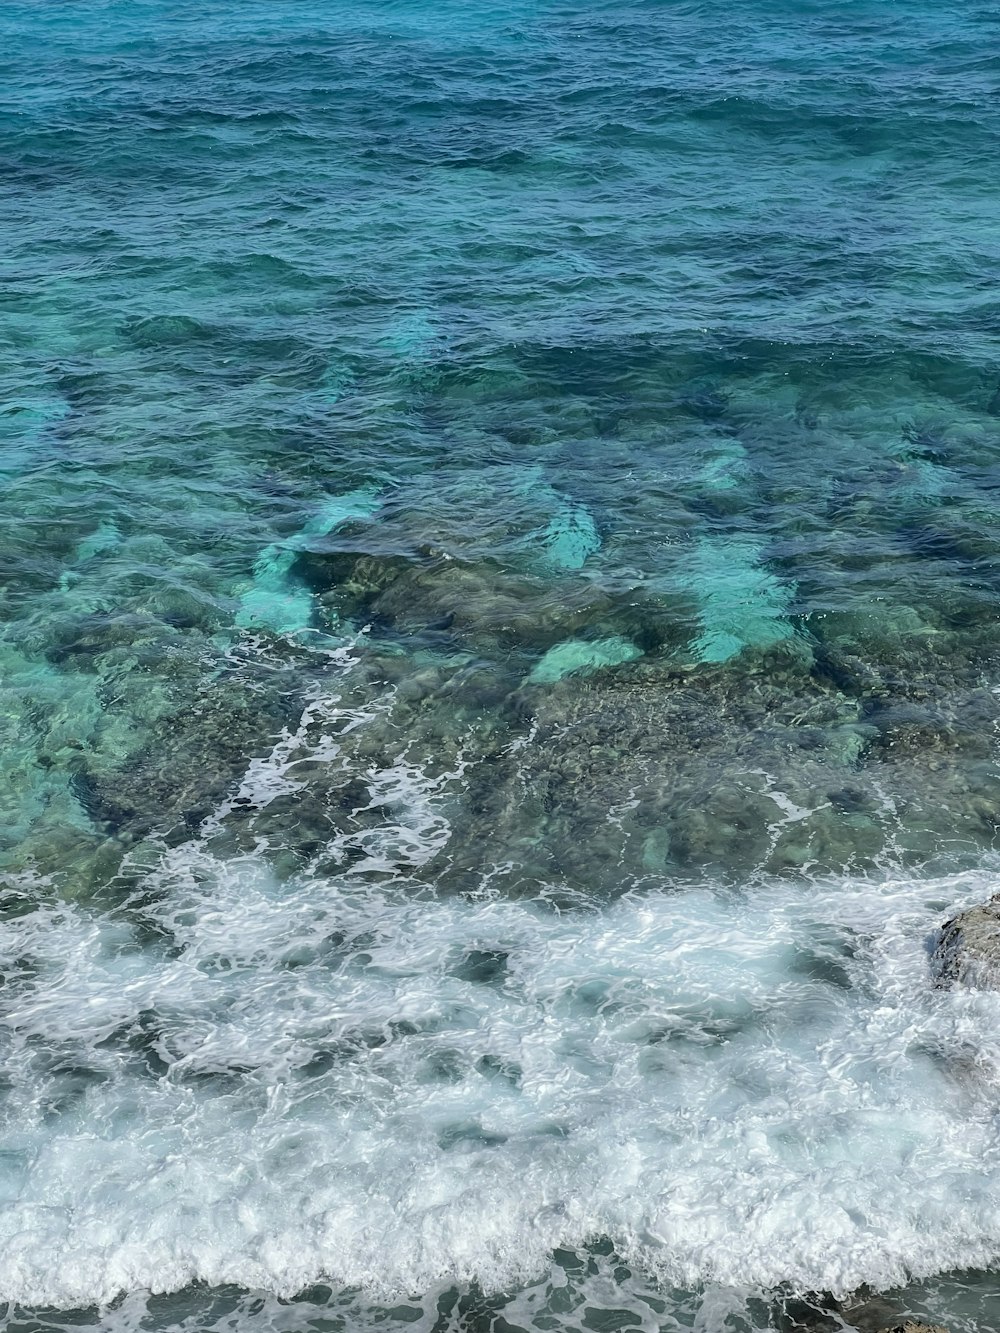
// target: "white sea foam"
[[329, 1078], [316, 740], [345, 1077]]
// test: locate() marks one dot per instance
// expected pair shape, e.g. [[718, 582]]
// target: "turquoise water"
[[501, 664]]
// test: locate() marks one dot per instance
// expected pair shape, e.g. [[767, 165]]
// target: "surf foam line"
[[267, 1084]]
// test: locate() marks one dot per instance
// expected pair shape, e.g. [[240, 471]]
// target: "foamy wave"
[[270, 1084], [238, 1079]]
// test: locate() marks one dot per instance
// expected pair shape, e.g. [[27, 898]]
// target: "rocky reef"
[[611, 737]]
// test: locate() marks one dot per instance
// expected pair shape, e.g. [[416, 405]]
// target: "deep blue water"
[[500, 664]]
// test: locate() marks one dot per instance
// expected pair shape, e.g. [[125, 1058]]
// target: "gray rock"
[[911, 1326], [968, 951]]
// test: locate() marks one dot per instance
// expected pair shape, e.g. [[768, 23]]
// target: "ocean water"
[[500, 665]]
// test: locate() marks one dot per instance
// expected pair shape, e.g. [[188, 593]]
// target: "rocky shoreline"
[[968, 951]]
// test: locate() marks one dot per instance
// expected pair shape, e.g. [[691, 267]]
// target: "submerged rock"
[[274, 601], [620, 771], [968, 951], [478, 606]]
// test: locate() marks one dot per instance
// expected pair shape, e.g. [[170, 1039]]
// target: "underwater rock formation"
[[647, 768], [619, 774], [968, 951], [273, 601], [591, 770], [160, 749]]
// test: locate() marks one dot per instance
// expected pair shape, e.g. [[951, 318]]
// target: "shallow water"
[[500, 665]]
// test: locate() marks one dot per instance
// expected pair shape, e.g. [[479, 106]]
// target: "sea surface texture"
[[500, 663]]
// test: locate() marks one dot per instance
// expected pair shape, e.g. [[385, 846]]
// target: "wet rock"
[[912, 1326], [864, 1311], [968, 951]]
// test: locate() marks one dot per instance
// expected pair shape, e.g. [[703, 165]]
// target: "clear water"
[[501, 619]]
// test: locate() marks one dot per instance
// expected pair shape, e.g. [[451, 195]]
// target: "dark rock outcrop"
[[911, 1326], [968, 952]]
